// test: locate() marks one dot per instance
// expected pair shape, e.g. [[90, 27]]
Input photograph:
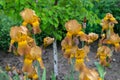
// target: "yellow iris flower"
[[66, 43], [80, 56], [109, 17], [104, 53], [30, 17], [70, 49], [93, 36], [107, 21], [73, 27], [27, 48], [28, 67], [113, 40], [35, 54], [17, 34]]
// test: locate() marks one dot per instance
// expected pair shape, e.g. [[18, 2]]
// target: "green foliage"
[[16, 77], [3, 75], [66, 78], [53, 76], [5, 24], [53, 17], [44, 75], [13, 8], [94, 28], [101, 70]]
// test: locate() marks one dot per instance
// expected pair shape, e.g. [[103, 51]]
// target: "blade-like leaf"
[[101, 70], [53, 76], [37, 67], [72, 69], [66, 77], [4, 75], [16, 77], [44, 75]]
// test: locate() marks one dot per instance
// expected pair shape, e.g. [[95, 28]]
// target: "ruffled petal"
[[47, 41], [73, 26]]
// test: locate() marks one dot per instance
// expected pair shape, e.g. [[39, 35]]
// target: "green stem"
[[108, 34], [72, 69], [83, 44], [26, 76], [37, 66], [109, 31], [84, 28], [34, 38]]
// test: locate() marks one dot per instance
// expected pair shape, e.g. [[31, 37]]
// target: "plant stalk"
[[55, 53], [72, 69]]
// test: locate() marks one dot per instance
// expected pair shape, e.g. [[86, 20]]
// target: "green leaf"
[[101, 70], [57, 36], [56, 25], [53, 76], [50, 13], [44, 75], [66, 77], [26, 76], [37, 67], [51, 21], [16, 77], [72, 69], [3, 75]]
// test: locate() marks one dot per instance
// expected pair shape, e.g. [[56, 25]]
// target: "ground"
[[112, 73]]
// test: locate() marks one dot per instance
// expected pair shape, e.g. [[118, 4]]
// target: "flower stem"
[[72, 69]]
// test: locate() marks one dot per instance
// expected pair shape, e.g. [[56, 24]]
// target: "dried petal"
[[88, 74], [117, 47], [47, 41], [108, 22], [67, 53], [30, 41], [23, 48], [73, 26], [86, 49], [114, 38], [79, 64], [84, 37], [36, 28], [36, 54], [27, 67], [28, 15], [16, 32], [93, 36], [66, 43], [105, 25]]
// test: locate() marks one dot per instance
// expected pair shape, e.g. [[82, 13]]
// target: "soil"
[[112, 72]]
